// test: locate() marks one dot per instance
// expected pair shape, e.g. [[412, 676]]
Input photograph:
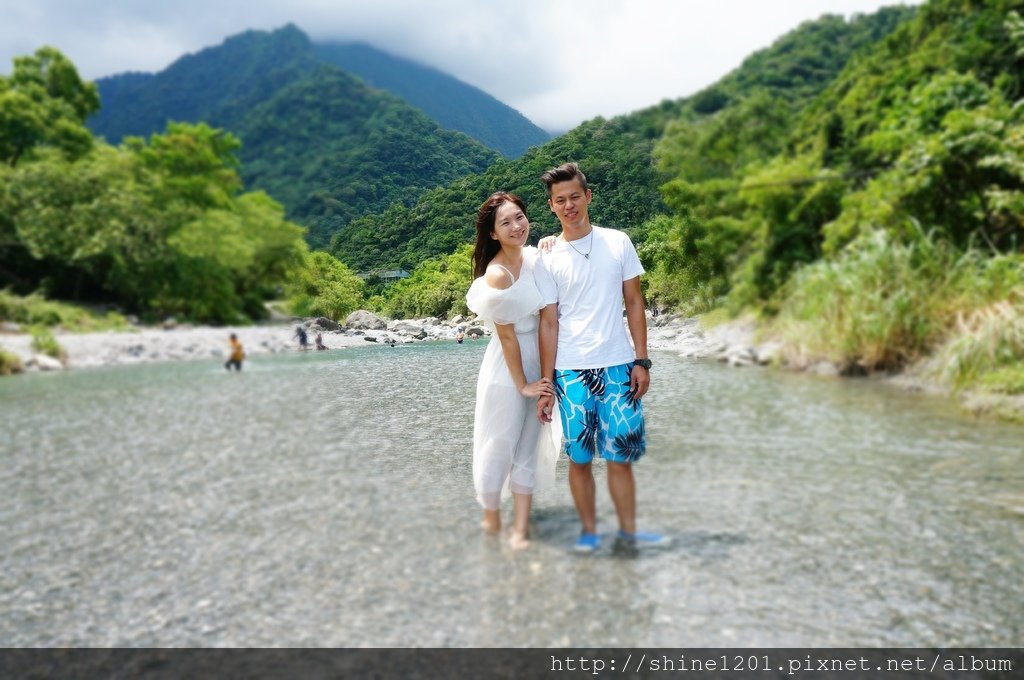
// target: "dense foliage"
[[437, 288], [315, 138], [155, 226], [739, 118], [873, 219], [452, 103], [616, 158]]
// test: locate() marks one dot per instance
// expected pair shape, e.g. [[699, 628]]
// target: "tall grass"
[[44, 343], [9, 363], [987, 349], [35, 310], [883, 304]]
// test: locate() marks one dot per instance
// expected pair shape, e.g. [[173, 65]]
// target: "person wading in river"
[[599, 378]]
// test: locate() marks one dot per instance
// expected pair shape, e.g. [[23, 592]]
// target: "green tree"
[[325, 287], [436, 288], [44, 103]]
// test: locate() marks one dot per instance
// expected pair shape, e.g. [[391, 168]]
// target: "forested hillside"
[[618, 154], [865, 205], [317, 139], [888, 223], [449, 101], [154, 226]]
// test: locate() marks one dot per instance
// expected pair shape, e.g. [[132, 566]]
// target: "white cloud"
[[558, 62]]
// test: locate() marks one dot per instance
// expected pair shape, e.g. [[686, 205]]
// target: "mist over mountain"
[[449, 101]]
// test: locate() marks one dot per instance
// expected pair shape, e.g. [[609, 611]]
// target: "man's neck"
[[576, 232]]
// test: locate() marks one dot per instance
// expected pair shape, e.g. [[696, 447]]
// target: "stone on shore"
[[45, 363], [408, 328], [364, 320], [324, 324]]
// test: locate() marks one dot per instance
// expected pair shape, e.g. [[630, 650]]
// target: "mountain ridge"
[[453, 103]]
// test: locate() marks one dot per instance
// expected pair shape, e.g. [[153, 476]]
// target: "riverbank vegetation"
[[35, 310], [873, 217], [888, 224], [156, 227]]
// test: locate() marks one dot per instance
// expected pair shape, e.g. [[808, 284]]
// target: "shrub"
[[44, 343], [882, 304], [33, 310], [9, 363]]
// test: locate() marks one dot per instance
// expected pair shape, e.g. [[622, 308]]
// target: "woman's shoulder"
[[498, 277]]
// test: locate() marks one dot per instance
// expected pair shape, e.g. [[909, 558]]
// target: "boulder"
[[407, 328], [9, 327], [457, 319], [769, 353], [738, 356], [45, 363], [326, 324], [365, 320], [824, 368]]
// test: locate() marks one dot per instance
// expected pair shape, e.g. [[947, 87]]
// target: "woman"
[[506, 430]]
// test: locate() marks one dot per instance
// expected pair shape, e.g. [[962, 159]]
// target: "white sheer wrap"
[[512, 451]]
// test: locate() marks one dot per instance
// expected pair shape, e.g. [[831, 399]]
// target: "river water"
[[325, 499]]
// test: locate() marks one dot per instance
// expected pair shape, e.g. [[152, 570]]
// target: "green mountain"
[[881, 223], [618, 155], [314, 137], [449, 101]]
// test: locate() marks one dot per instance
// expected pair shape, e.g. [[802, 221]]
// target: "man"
[[599, 377]]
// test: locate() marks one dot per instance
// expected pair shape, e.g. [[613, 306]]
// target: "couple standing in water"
[[558, 350]]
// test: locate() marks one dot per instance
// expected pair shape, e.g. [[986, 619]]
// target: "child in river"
[[237, 354]]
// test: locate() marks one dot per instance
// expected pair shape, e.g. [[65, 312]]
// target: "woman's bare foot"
[[518, 541], [492, 521]]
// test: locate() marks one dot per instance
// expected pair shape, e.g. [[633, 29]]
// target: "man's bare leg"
[[584, 493], [622, 488]]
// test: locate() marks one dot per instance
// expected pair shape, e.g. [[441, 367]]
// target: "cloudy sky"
[[559, 62]]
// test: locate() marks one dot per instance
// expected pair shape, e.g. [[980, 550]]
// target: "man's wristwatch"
[[646, 363]]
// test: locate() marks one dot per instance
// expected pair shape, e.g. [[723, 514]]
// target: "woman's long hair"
[[486, 246]]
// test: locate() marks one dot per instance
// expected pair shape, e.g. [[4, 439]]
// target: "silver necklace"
[[585, 255]]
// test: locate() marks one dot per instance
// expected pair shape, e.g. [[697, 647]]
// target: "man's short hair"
[[563, 173]]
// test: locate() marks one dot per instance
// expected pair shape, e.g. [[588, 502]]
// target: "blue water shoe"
[[587, 543]]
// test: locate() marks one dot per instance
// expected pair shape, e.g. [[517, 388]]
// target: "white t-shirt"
[[589, 296]]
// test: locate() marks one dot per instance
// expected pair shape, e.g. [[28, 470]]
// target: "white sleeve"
[[545, 283], [500, 306], [631, 267]]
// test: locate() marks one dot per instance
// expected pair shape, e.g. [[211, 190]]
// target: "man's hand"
[[545, 405], [639, 381]]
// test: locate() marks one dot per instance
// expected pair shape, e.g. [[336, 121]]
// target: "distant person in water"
[[460, 336], [320, 341], [300, 333], [237, 354]]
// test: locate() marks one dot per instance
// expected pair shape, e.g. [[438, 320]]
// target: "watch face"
[[646, 363]]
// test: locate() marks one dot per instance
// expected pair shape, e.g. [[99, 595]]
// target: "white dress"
[[509, 451]]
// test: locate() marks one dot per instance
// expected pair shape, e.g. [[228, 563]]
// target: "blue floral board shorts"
[[600, 415]]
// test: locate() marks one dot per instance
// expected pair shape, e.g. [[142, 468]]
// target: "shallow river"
[[325, 499]]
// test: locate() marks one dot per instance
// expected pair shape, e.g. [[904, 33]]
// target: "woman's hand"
[[546, 244], [540, 388]]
